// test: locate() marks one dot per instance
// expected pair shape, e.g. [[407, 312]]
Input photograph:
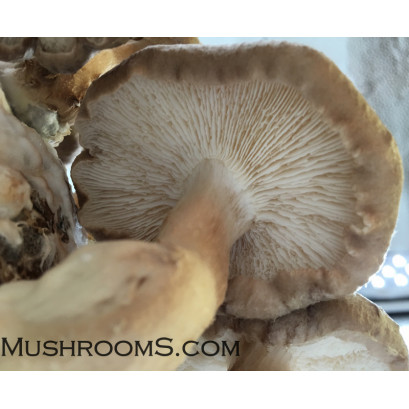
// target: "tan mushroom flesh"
[[109, 297], [263, 159], [37, 214]]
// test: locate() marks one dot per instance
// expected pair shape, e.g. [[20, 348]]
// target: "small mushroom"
[[345, 334], [114, 298], [15, 48], [263, 159], [49, 102], [37, 212]]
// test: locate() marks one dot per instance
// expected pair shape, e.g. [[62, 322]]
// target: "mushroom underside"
[[288, 166]]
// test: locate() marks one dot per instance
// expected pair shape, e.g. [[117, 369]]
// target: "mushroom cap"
[[379, 66], [350, 333], [111, 292], [37, 212], [320, 173], [14, 48], [345, 334], [222, 333]]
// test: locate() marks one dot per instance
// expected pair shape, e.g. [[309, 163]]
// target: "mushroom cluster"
[[37, 212], [250, 183], [47, 98], [57, 54]]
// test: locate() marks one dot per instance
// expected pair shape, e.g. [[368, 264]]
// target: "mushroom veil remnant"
[[262, 159]]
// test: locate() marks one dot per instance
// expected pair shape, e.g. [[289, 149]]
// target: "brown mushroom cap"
[[115, 292], [345, 334], [37, 212], [217, 349], [313, 176], [14, 48]]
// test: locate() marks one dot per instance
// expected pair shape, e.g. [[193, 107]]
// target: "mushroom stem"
[[210, 217], [124, 293]]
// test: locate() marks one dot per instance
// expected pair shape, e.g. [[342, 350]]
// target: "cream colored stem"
[[112, 292], [209, 218]]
